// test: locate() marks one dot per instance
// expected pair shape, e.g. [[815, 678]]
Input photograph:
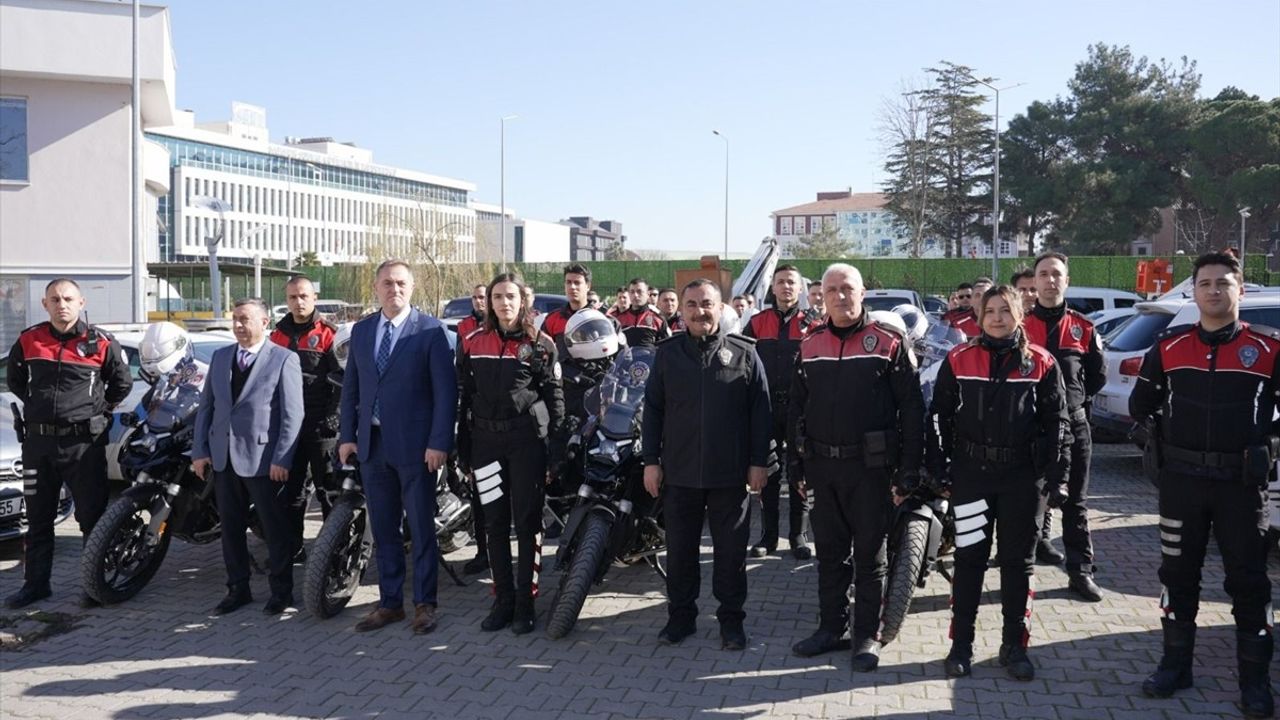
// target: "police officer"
[[669, 309], [510, 405], [778, 331], [961, 317], [641, 324], [857, 415], [1070, 338], [577, 285], [1214, 387], [705, 439], [1024, 281], [470, 323], [68, 375], [998, 433], [311, 336], [466, 326]]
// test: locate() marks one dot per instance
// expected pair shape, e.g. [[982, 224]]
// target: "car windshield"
[[622, 390], [175, 399], [457, 308], [204, 350], [885, 302], [1139, 333]]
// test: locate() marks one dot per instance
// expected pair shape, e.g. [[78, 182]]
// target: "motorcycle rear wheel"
[[903, 575], [576, 579], [338, 559], [118, 561]]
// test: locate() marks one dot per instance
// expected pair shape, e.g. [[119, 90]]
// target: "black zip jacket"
[[992, 397], [847, 382], [1071, 339], [64, 378], [706, 411], [313, 342], [643, 326], [778, 335]]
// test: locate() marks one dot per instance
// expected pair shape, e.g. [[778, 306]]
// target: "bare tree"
[[906, 129]]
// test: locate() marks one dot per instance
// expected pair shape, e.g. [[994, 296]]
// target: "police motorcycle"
[[614, 519], [922, 528], [166, 499], [340, 554]]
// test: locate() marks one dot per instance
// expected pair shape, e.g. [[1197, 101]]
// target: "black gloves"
[[1055, 494], [907, 482]]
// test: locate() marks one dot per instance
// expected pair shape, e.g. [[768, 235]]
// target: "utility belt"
[[86, 428], [504, 426], [1253, 465], [878, 449], [994, 454], [1198, 458]]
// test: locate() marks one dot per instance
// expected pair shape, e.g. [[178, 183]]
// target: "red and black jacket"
[[963, 319], [1214, 391], [848, 382], [1071, 339], [67, 378], [778, 335], [556, 321], [468, 325], [643, 326], [996, 408], [504, 378], [675, 323], [313, 342]]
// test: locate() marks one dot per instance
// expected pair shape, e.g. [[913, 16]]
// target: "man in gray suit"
[[247, 429]]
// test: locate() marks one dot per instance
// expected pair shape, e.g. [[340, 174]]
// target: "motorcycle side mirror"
[[130, 419]]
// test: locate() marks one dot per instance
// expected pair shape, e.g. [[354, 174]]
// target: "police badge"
[[1077, 332], [1248, 355], [869, 342], [725, 355], [524, 353], [313, 341], [1026, 367]]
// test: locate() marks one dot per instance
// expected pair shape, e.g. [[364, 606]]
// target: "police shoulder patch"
[[869, 342], [1077, 332], [525, 352], [1265, 331], [1248, 355]]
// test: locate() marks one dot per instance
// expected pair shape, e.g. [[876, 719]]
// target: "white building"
[[65, 155], [527, 240]]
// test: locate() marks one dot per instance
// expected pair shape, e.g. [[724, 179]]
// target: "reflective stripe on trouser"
[[511, 471], [48, 464]]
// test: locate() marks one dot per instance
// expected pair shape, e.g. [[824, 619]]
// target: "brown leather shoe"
[[424, 619], [380, 618]]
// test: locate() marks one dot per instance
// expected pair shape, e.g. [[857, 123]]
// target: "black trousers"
[[47, 463], [511, 473], [851, 507], [311, 466], [1075, 511], [771, 496], [727, 512], [1190, 509], [1007, 502], [234, 494]]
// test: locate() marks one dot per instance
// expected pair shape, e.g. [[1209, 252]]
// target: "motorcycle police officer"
[[466, 326], [68, 375], [856, 413], [778, 331], [1214, 387], [1070, 338], [510, 405], [311, 336], [998, 436], [641, 324], [472, 322]]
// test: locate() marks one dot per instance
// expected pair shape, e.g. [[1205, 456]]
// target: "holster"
[[1259, 460], [19, 425], [880, 449]]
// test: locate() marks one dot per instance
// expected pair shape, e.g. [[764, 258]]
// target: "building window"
[[13, 139], [786, 226]]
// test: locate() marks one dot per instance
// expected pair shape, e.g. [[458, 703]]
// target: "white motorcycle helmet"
[[342, 343], [589, 335], [915, 320], [888, 317], [163, 348]]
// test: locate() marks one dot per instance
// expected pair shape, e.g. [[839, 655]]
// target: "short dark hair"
[[578, 269], [701, 282], [666, 290], [637, 281], [786, 268], [1217, 258], [1023, 274], [256, 302], [299, 278], [61, 281], [815, 284], [965, 286], [479, 286], [1051, 255], [393, 262], [743, 298], [983, 280]]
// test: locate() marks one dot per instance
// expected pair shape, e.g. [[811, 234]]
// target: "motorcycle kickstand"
[[452, 573], [944, 571], [657, 567]]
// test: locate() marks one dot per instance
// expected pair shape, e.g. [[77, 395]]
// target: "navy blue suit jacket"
[[417, 394]]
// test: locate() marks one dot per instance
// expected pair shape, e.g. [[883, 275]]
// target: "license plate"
[[11, 506]]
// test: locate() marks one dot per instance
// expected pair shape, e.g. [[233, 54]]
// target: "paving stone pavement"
[[163, 655]]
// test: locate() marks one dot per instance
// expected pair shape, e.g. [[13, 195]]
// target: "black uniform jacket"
[[643, 326], [313, 341], [1214, 391], [65, 378], [1071, 339], [706, 411], [778, 335], [1000, 403], [848, 382]]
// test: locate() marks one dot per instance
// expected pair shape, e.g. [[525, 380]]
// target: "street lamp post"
[[135, 189], [502, 186], [1244, 215], [995, 185], [221, 207], [726, 191]]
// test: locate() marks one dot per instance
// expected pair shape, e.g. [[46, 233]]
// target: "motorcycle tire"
[[118, 546], [904, 572], [338, 559], [576, 579]]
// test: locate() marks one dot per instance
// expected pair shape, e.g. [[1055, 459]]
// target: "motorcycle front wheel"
[[338, 558], [120, 557], [904, 572], [575, 580]]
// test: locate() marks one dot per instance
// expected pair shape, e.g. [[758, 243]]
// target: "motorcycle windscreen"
[[174, 401]]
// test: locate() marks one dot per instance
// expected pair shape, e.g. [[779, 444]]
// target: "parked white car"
[[1106, 322], [890, 299], [1092, 299]]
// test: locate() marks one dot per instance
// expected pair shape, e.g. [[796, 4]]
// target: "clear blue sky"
[[617, 101]]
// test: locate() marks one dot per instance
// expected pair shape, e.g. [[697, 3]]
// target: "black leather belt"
[[502, 426], [813, 448], [72, 430], [1202, 458], [991, 453]]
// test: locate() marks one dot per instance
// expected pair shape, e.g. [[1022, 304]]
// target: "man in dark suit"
[[247, 430], [399, 402]]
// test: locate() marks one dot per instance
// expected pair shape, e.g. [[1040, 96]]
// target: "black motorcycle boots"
[[959, 662], [500, 615], [1174, 671], [820, 642], [1253, 655], [866, 655], [26, 595], [523, 615]]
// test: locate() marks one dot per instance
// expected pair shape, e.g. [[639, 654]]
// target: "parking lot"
[[163, 655]]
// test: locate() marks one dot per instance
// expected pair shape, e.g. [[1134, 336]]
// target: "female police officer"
[[998, 420], [511, 402]]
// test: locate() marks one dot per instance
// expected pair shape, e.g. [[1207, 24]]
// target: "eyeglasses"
[[966, 296]]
